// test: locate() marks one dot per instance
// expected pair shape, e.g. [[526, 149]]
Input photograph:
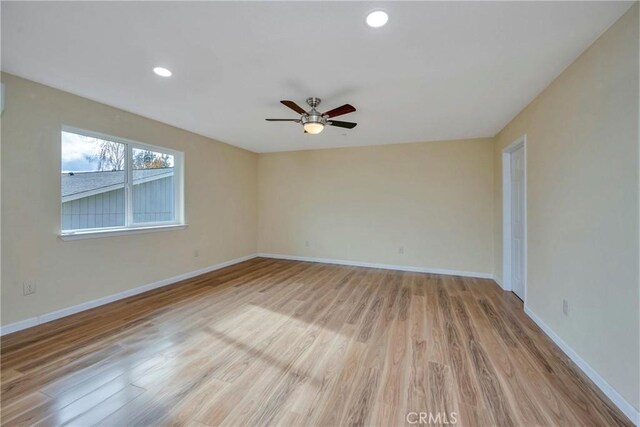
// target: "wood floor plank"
[[278, 342], [11, 410], [102, 410]]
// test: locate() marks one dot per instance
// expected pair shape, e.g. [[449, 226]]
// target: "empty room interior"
[[320, 213]]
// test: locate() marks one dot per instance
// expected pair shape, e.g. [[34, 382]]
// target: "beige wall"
[[220, 205], [582, 160], [434, 199]]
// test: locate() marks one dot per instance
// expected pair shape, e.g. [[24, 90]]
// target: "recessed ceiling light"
[[377, 19], [161, 71]]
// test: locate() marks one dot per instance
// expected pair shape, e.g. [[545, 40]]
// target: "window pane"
[[92, 182], [153, 186]]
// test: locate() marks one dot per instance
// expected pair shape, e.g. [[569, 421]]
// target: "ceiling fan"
[[314, 121]]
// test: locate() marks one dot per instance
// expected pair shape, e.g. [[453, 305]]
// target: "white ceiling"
[[437, 70]]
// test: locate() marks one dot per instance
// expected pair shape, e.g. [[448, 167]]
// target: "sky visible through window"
[[78, 153]]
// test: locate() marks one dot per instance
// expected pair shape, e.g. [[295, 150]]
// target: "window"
[[110, 184]]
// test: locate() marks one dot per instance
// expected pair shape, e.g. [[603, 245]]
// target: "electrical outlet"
[[29, 287], [401, 250], [565, 307], [307, 244]]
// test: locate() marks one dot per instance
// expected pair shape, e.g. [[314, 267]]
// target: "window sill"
[[94, 234]]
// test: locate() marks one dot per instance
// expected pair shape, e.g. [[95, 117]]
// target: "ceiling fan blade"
[[343, 109], [295, 107], [348, 125], [283, 120]]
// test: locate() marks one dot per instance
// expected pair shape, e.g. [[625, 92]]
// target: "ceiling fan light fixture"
[[313, 128]]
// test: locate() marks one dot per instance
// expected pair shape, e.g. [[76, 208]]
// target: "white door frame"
[[506, 213]]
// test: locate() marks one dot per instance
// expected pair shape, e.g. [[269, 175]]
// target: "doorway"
[[514, 188]]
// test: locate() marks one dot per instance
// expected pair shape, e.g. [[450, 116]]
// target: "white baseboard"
[[48, 317], [499, 282], [628, 409], [383, 266], [18, 326]]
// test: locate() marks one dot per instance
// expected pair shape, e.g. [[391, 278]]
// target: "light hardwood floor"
[[272, 342]]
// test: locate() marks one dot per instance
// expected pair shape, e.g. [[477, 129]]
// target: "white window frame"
[[130, 227]]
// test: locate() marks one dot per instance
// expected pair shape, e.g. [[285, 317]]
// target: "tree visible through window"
[[109, 156], [116, 184]]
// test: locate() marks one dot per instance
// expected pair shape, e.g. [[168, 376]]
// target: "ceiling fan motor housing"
[[313, 116]]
